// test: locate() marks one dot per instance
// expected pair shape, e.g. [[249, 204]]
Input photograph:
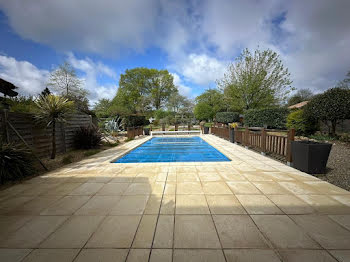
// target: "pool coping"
[[151, 137]]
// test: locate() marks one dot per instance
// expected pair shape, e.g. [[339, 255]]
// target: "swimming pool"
[[173, 149]]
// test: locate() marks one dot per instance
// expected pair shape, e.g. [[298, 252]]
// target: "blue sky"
[[195, 40]]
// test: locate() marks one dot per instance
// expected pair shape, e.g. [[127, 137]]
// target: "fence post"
[[235, 135], [189, 127], [246, 137], [263, 141], [290, 138], [163, 127], [176, 127], [6, 136]]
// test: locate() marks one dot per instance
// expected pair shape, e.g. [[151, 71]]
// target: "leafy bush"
[[301, 124], [227, 117], [134, 120], [15, 162], [203, 111], [322, 137], [87, 137], [67, 159], [333, 105], [267, 117]]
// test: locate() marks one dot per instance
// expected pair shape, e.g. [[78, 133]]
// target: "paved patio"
[[250, 209]]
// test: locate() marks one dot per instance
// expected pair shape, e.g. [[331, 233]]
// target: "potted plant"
[[146, 131], [310, 157], [232, 131]]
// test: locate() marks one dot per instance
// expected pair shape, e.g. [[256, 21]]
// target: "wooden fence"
[[134, 131], [38, 137], [267, 141]]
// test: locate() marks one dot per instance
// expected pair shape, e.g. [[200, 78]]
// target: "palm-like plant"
[[53, 109]]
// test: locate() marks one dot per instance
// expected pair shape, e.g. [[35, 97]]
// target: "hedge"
[[227, 117], [301, 124], [274, 118]]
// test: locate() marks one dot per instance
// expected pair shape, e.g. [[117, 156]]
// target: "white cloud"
[[201, 69], [27, 77], [183, 89], [91, 71]]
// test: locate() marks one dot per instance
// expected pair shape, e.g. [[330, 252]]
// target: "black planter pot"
[[206, 130], [146, 131], [310, 157], [232, 135]]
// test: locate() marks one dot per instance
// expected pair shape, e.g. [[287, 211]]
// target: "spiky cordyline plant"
[[53, 109]]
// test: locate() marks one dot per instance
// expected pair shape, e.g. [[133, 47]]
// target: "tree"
[[255, 80], [52, 109], [65, 81], [142, 89], [102, 107], [203, 111], [213, 98], [45, 92], [300, 96], [331, 106]]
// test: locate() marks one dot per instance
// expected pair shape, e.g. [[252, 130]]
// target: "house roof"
[[299, 105]]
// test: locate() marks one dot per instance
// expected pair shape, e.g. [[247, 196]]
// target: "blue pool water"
[[173, 149]]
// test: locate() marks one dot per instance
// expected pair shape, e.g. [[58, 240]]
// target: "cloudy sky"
[[193, 39]]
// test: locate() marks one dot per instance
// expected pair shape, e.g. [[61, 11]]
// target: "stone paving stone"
[[280, 176], [168, 205], [39, 189], [341, 255], [198, 255], [189, 188], [9, 224], [258, 204], [227, 176], [115, 232], [34, 206], [170, 188], [326, 188], [216, 188], [164, 232], [153, 204], [33, 232], [187, 177], [271, 188], [171, 177], [205, 177], [191, 204], [138, 255], [238, 231], [113, 189], [306, 255], [52, 255], [138, 189], [123, 178], [195, 231], [87, 189], [63, 189], [257, 176], [8, 205], [98, 205], [161, 255], [251, 255], [157, 188], [13, 255], [299, 188], [325, 205], [145, 232], [291, 204], [74, 233], [343, 220], [105, 255], [130, 205], [324, 230], [344, 199], [162, 177], [65, 206], [243, 187], [224, 204], [283, 232]]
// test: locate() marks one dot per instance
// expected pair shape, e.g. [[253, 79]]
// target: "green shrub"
[[227, 117], [92, 152], [268, 117], [302, 125], [322, 137], [87, 137], [15, 162], [134, 120], [68, 159]]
